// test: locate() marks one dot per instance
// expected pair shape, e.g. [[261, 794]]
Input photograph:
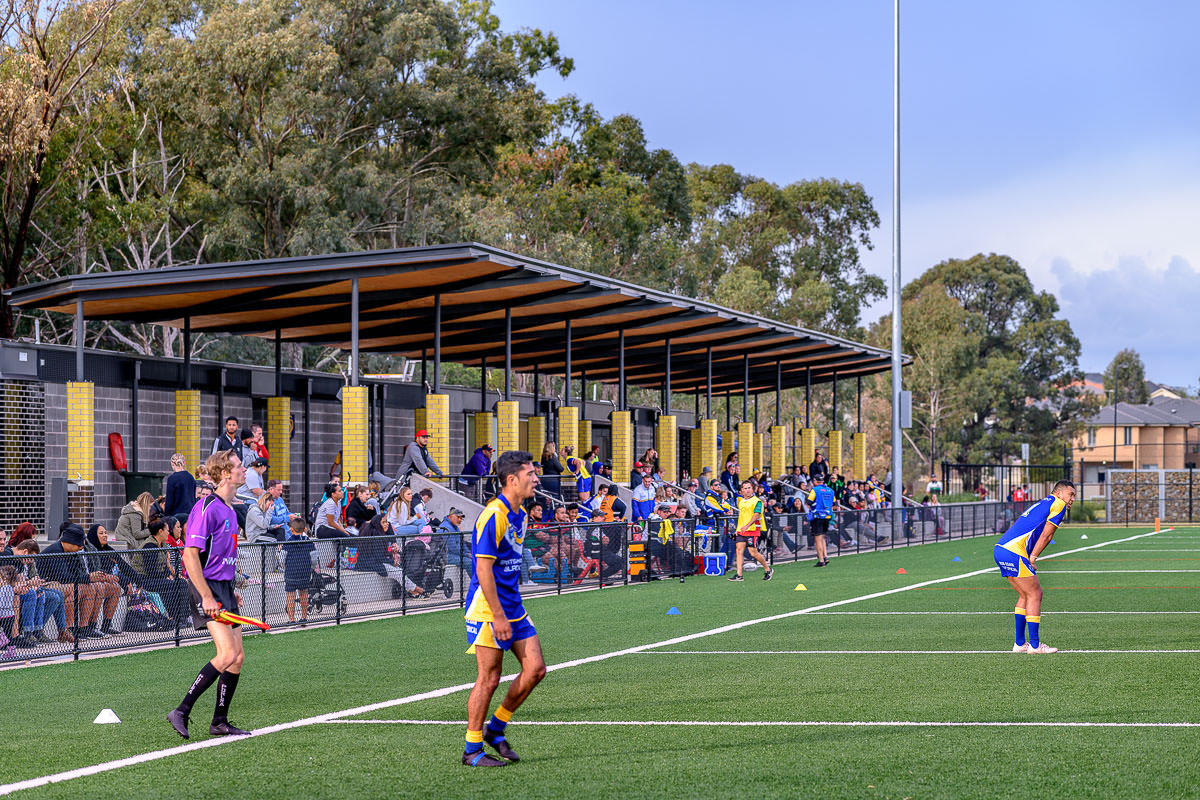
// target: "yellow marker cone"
[[800, 587]]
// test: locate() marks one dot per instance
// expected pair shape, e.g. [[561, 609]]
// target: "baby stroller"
[[324, 591], [425, 565]]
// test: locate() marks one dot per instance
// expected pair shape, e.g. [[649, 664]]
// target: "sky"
[[1063, 133]]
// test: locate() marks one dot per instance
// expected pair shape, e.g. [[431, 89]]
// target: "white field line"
[[781, 723], [1045, 613], [1156, 550], [1110, 571], [154, 755], [873, 652]]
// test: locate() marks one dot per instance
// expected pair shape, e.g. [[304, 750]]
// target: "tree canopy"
[[1125, 376]]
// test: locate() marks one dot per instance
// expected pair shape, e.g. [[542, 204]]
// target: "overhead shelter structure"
[[471, 304]]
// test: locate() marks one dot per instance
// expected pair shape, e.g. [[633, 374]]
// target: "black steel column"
[[858, 416], [382, 425], [746, 388], [708, 388], [354, 369], [778, 393], [667, 383], [423, 381], [221, 402], [834, 426], [79, 330], [307, 443], [728, 408], [133, 422], [187, 352], [508, 353], [536, 391], [483, 384], [437, 344], [279, 362], [583, 394], [807, 396], [621, 369], [567, 387]]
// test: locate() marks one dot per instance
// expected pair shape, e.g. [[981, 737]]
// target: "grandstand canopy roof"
[[308, 300]]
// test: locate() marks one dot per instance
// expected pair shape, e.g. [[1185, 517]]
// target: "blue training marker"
[[1051, 541], [673, 610], [956, 558]]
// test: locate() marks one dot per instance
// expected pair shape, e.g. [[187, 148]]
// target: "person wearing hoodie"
[[480, 464], [133, 524]]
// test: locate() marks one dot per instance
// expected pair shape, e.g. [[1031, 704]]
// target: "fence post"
[[262, 579], [337, 561], [171, 554], [75, 648]]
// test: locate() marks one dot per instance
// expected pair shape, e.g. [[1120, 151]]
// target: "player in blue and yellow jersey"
[[496, 618], [749, 526], [821, 503], [1016, 554], [582, 472]]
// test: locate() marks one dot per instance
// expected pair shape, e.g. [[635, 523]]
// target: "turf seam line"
[[154, 755], [785, 723]]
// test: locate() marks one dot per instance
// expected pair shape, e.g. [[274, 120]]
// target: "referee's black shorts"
[[820, 526], [222, 591]]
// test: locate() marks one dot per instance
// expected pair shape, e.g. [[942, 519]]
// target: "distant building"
[[1161, 434]]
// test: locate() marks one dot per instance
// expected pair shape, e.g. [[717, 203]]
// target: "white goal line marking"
[[154, 755], [1109, 571], [780, 723], [872, 652], [975, 613]]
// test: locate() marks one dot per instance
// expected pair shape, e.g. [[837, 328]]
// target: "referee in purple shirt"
[[210, 562]]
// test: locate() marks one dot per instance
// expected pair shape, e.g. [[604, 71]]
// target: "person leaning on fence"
[[417, 459], [479, 465]]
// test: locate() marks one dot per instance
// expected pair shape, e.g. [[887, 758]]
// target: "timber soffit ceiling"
[[307, 300]]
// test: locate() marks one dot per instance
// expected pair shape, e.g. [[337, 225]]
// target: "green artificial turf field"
[[725, 704]]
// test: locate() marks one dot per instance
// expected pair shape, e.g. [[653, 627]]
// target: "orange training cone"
[[901, 571], [1157, 524]]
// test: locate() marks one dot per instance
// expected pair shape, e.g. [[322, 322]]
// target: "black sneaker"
[[824, 563], [92, 632], [498, 743], [736, 578], [43, 638], [25, 642], [768, 574], [225, 729], [179, 721], [482, 759]]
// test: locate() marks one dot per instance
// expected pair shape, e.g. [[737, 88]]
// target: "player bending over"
[[496, 618], [1016, 554], [749, 526], [210, 558]]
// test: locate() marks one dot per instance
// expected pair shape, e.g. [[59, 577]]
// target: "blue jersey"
[[712, 508], [821, 499], [500, 536], [1024, 533]]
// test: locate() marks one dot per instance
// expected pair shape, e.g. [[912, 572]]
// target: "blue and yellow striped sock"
[[499, 722], [474, 741], [1020, 617], [1033, 630]]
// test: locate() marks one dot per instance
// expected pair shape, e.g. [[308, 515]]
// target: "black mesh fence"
[[68, 605]]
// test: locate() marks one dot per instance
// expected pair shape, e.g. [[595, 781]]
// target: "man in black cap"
[[70, 574]]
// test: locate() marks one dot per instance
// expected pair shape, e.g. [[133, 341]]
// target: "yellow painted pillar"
[[760, 461], [420, 419], [485, 428], [279, 439], [859, 447], [667, 445], [354, 435], [585, 438], [778, 451], [622, 446], [568, 431], [508, 426], [729, 444], [537, 436], [835, 449], [187, 428], [808, 445], [745, 439], [437, 422], [707, 448], [81, 451]]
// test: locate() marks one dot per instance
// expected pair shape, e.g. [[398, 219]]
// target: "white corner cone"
[[106, 717], [1084, 536]]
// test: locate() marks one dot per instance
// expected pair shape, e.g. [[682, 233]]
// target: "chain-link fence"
[[73, 604]]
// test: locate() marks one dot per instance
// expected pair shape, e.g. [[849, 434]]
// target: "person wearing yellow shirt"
[[749, 526]]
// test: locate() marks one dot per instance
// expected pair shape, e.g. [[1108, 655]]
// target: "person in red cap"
[[635, 477], [417, 458]]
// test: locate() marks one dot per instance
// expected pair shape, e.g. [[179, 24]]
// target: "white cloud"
[[1113, 238]]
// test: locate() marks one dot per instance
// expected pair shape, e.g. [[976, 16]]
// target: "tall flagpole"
[[897, 456]]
